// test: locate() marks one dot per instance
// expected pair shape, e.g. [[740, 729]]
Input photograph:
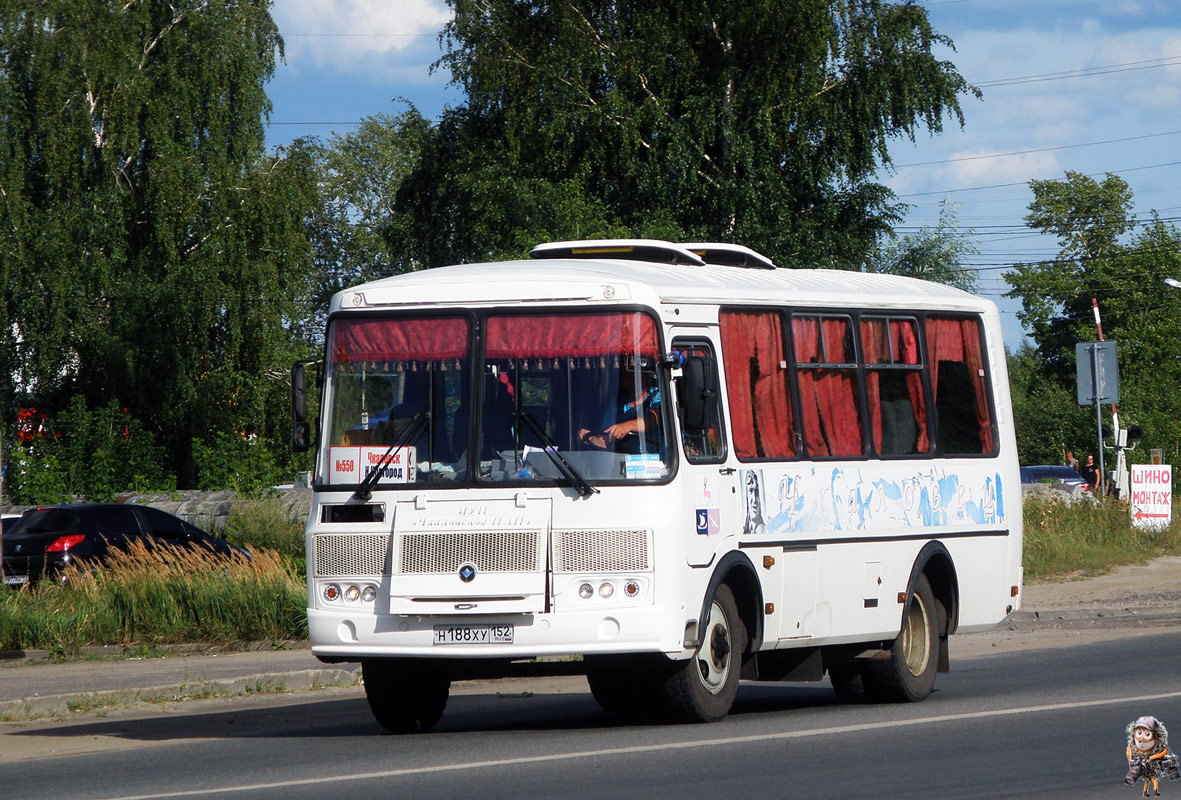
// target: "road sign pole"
[[1098, 410]]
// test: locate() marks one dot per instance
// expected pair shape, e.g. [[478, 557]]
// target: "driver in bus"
[[638, 412]]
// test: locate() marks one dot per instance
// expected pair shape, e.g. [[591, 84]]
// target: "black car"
[[44, 540], [1048, 473]]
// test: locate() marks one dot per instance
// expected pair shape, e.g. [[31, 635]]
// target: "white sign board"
[[1152, 495], [353, 464]]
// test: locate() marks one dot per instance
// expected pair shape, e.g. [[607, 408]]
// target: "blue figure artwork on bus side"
[[1149, 758]]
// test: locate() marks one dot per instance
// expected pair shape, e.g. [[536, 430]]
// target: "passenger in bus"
[[637, 412]]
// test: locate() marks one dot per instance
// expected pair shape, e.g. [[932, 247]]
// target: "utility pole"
[[1121, 468]]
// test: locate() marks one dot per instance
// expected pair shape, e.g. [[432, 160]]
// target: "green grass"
[[153, 597], [1081, 538]]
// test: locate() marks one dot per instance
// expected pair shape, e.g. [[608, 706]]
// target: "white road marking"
[[654, 748]]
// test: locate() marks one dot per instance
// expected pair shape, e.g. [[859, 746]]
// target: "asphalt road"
[[1033, 723]]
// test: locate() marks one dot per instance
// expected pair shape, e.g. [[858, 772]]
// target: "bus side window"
[[700, 403], [959, 382]]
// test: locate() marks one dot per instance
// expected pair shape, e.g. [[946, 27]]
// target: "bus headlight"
[[586, 591], [369, 594], [606, 590], [352, 594]]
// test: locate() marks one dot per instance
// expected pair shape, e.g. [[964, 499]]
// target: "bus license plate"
[[473, 634], [15, 580]]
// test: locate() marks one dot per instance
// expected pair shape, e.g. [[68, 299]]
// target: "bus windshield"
[[397, 391], [557, 397], [583, 386]]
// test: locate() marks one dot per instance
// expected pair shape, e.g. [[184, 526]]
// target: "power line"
[[1038, 150], [1026, 182]]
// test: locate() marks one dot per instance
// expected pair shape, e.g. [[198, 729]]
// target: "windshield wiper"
[[409, 434], [551, 449]]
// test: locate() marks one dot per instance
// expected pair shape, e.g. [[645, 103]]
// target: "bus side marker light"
[[1013, 591], [769, 608], [768, 562], [902, 597]]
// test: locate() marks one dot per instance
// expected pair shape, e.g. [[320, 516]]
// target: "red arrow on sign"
[[1142, 515]]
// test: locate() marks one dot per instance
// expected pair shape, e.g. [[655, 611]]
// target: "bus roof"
[[577, 278]]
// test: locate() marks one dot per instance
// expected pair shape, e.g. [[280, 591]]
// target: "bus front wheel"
[[703, 688], [908, 674], [405, 696]]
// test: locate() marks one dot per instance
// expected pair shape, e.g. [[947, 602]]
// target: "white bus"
[[677, 461]]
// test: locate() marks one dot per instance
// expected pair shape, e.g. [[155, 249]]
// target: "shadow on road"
[[470, 713]]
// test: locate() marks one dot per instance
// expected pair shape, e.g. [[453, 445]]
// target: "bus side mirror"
[[301, 431], [694, 394]]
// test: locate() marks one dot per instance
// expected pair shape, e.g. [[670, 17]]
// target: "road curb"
[[28, 708]]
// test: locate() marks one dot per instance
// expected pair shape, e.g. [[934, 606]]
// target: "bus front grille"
[[601, 551], [493, 551], [341, 554]]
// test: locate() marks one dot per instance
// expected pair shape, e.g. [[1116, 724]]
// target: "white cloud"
[[352, 36]]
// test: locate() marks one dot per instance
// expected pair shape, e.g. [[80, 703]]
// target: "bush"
[[91, 453], [158, 596], [230, 461]]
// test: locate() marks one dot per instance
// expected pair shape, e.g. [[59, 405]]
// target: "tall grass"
[[158, 596], [266, 523], [1063, 539]]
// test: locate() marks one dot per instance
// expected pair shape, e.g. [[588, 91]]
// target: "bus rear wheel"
[[703, 688], [908, 674], [405, 696]]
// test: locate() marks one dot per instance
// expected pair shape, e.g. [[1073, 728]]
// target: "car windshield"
[[559, 398]]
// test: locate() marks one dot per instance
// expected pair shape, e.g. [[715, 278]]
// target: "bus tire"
[[624, 687], [703, 688], [848, 682], [405, 696], [908, 674]]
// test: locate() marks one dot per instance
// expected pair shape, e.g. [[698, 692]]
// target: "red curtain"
[[873, 345], [760, 408], [902, 347], [401, 339], [832, 420], [959, 340], [560, 336]]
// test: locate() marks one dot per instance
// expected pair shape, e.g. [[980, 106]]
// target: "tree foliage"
[[934, 253], [1108, 256], [754, 122], [150, 251]]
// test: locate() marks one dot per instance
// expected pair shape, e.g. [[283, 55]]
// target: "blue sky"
[[1092, 86]]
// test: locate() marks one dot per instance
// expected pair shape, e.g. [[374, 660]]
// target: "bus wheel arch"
[[729, 630], [936, 564], [736, 571]]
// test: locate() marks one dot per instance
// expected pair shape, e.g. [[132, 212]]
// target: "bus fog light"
[[631, 588], [369, 594], [606, 590], [331, 592], [352, 594], [586, 591]]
